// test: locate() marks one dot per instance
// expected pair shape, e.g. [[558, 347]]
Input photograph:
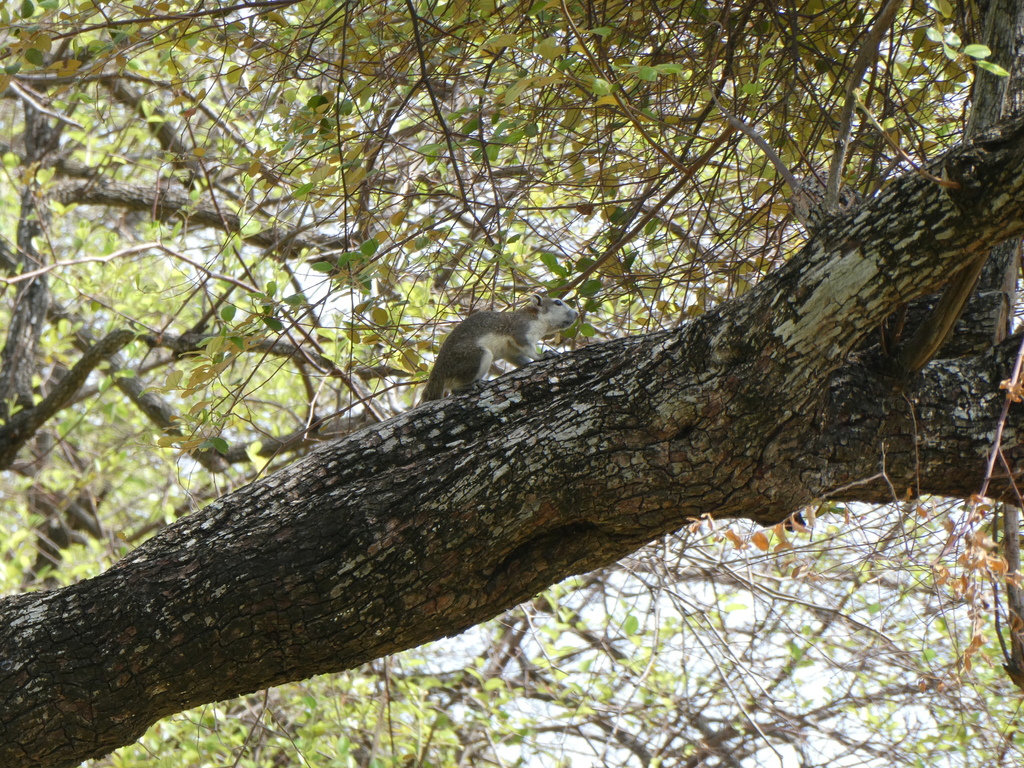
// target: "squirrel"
[[483, 337]]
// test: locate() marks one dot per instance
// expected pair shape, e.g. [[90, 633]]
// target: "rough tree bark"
[[438, 519], [33, 297]]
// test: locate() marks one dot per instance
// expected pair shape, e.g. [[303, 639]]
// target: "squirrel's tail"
[[434, 389]]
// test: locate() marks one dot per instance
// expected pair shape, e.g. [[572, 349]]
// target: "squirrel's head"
[[555, 313]]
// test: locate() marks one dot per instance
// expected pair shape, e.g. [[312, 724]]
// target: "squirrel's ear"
[[536, 299]]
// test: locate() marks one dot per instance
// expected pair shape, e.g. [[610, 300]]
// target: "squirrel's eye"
[[558, 303]]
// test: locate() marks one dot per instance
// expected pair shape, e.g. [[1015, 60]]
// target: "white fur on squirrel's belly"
[[502, 347]]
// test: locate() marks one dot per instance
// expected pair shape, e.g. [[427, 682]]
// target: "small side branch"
[[1014, 665], [25, 423], [929, 338], [867, 55]]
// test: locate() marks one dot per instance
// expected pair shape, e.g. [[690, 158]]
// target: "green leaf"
[[495, 44], [631, 625], [978, 51], [995, 69], [220, 444], [348, 257], [601, 87], [369, 247], [549, 48], [550, 261], [590, 287], [323, 266], [227, 313], [27, 9], [317, 101]]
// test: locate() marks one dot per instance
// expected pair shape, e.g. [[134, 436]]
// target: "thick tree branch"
[[992, 280]]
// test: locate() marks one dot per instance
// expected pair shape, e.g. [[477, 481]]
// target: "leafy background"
[[291, 202]]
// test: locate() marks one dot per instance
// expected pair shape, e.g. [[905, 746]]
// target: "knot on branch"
[[963, 170], [809, 205]]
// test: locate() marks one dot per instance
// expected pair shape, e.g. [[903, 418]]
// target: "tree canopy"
[[761, 510]]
